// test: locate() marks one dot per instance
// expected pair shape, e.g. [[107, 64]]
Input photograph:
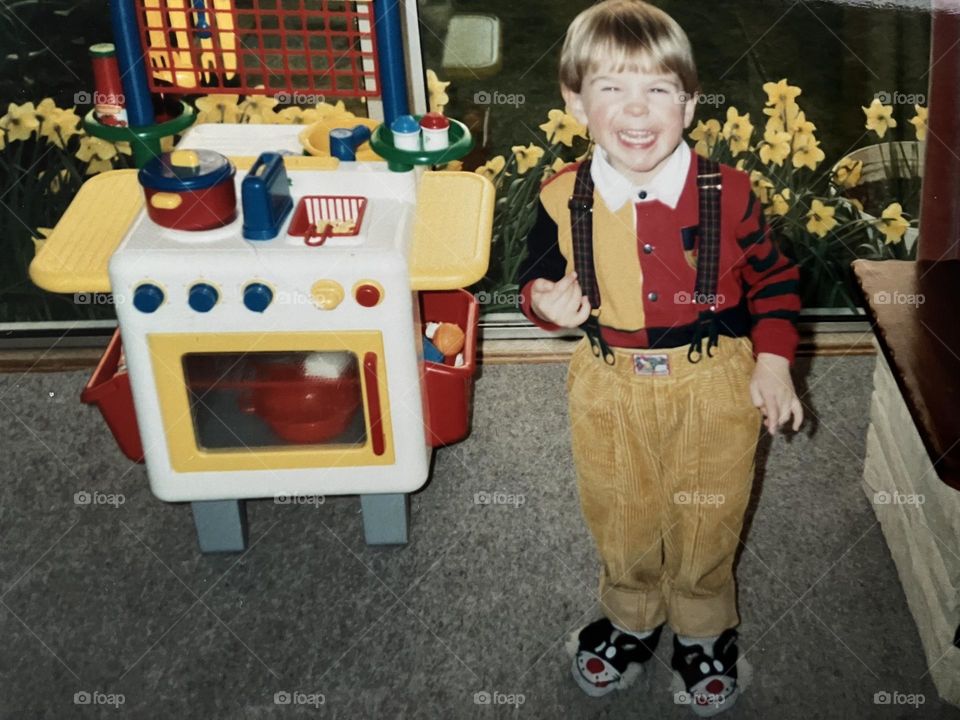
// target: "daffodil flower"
[[761, 186], [919, 122], [59, 126], [437, 92], [527, 157], [848, 173], [562, 127], [820, 219], [807, 152], [737, 130], [775, 147], [97, 153], [781, 94], [290, 116], [20, 121], [492, 168], [3, 139], [45, 107], [779, 204], [258, 109], [879, 117], [218, 108], [892, 223], [706, 135]]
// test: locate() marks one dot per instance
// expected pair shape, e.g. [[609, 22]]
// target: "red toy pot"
[[190, 189]]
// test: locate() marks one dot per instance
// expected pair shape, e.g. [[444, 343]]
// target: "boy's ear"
[[690, 108], [574, 104]]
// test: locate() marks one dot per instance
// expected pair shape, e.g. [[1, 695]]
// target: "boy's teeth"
[[636, 135]]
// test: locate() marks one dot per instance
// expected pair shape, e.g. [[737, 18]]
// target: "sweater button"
[[652, 297], [642, 194], [648, 248]]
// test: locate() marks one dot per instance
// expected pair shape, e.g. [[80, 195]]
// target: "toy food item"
[[448, 339]]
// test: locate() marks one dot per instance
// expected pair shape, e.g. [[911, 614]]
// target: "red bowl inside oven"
[[303, 409]]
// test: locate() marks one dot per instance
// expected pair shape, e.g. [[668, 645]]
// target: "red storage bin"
[[109, 390], [449, 389]]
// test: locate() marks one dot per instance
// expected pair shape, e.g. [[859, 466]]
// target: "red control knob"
[[368, 295]]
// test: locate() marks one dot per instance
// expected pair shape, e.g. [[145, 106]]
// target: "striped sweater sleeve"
[[771, 284]]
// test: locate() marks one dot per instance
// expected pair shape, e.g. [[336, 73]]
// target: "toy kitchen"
[[290, 324]]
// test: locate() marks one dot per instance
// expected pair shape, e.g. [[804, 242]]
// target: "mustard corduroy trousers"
[[665, 463]]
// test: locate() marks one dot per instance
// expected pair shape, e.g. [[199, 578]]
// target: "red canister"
[[108, 101]]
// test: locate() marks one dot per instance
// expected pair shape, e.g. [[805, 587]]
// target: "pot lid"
[[185, 170]]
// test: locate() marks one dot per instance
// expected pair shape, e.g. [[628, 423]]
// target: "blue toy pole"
[[126, 37], [393, 75]]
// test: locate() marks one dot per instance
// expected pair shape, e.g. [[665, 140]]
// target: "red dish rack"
[[109, 390], [448, 389]]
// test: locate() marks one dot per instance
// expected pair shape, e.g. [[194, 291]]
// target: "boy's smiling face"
[[637, 116]]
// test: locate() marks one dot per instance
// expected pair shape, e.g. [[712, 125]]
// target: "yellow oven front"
[[255, 401]]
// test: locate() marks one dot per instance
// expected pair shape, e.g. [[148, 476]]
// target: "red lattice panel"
[[306, 49]]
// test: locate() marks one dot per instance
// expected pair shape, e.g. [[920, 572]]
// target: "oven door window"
[[275, 399]]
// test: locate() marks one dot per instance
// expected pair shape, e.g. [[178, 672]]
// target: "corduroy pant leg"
[[709, 468], [615, 444]]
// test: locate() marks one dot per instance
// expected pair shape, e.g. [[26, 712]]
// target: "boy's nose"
[[636, 106]]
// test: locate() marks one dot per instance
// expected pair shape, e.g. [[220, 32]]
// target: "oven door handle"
[[373, 403]]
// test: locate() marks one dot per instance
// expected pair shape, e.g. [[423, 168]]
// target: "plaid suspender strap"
[[708, 257], [581, 218]]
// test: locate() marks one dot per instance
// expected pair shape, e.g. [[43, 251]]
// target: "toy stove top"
[[367, 208]]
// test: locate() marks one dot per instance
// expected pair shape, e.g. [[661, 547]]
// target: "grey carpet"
[[118, 600]]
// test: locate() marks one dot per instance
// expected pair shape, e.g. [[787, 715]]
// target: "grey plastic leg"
[[221, 525], [385, 518]]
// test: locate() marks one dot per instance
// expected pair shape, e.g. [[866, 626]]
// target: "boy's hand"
[[771, 389], [561, 303]]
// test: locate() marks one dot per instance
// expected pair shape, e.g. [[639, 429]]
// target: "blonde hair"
[[621, 33]]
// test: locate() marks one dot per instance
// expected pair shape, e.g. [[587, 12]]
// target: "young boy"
[[657, 254]]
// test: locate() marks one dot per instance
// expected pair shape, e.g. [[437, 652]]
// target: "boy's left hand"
[[771, 389]]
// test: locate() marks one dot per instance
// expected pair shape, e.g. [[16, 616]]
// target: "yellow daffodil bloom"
[[706, 135], [437, 91], [562, 127], [493, 168], [879, 117], [46, 106], [20, 121], [218, 108], [782, 118], [781, 94], [892, 223], [919, 122], [59, 126], [738, 131], [761, 186], [775, 147], [848, 173], [779, 204], [802, 125], [527, 157], [807, 152], [289, 116], [454, 166], [820, 219], [3, 139], [258, 109], [97, 153]]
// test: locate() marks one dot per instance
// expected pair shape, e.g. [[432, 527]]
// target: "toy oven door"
[[255, 401]]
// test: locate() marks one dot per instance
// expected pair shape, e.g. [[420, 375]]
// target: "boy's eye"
[[609, 88]]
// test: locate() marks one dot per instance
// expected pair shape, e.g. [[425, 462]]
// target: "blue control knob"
[[147, 298], [203, 297], [257, 297]]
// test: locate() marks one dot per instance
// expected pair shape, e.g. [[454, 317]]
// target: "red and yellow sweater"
[[646, 276]]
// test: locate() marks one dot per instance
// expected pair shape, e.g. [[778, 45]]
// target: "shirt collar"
[[666, 186]]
